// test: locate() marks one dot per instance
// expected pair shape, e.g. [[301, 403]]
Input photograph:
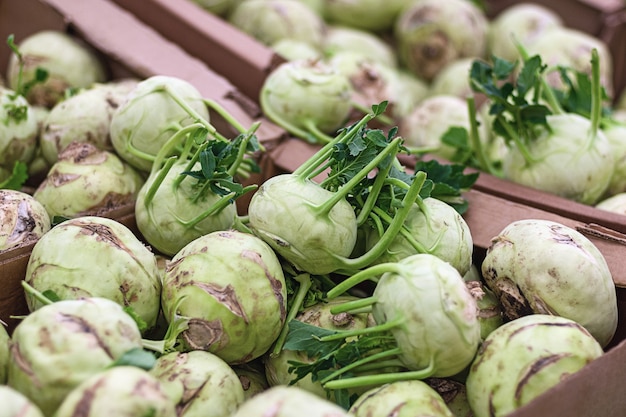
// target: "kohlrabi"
[[523, 22], [430, 34], [118, 391], [60, 345], [310, 99], [67, 61], [252, 378], [153, 111], [454, 394], [540, 266], [83, 117], [193, 193], [18, 130], [367, 15], [199, 383], [14, 403], [550, 149], [340, 38], [313, 225], [229, 288], [113, 264], [24, 219], [288, 401], [490, 315], [426, 323], [87, 180], [414, 398], [269, 21], [524, 358]]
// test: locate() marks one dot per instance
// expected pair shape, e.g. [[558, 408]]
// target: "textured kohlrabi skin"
[[86, 180], [69, 62], [60, 345], [200, 383], [289, 401], [525, 357], [18, 136], [162, 220], [430, 34], [96, 257], [566, 163], [15, 404], [24, 219], [375, 16], [270, 21], [302, 93], [4, 354], [121, 391], [454, 394], [149, 117], [319, 315], [439, 229], [413, 398], [282, 213], [84, 117], [231, 287], [523, 22], [339, 38], [541, 266], [252, 378], [431, 118], [441, 331]]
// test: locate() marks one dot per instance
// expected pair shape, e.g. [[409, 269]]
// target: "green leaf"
[[141, 323], [306, 338], [18, 177], [51, 295], [137, 357]]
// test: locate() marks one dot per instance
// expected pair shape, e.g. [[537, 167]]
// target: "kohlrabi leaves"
[[137, 357], [576, 95], [514, 104], [306, 337], [40, 76], [18, 177]]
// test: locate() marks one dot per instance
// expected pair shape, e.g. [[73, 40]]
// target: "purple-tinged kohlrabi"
[[113, 264], [86, 180], [238, 308], [60, 345], [524, 358], [540, 266], [24, 219], [430, 34], [199, 383], [122, 391], [83, 117], [414, 398]]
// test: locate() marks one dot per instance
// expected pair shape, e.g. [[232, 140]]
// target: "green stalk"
[[305, 284], [361, 276], [596, 97], [380, 379], [171, 144], [367, 360], [36, 293], [219, 109], [406, 234], [479, 150], [241, 153], [379, 328], [386, 120], [158, 180], [351, 306]]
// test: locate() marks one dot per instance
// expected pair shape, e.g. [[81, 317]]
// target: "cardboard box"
[[128, 48]]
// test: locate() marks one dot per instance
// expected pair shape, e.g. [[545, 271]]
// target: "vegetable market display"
[[396, 207]]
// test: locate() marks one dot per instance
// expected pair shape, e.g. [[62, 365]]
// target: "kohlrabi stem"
[[240, 225], [380, 379], [216, 207], [379, 328], [36, 293], [158, 180], [361, 276], [304, 281], [242, 151], [192, 112], [219, 109], [279, 120], [351, 306], [172, 143], [479, 150], [406, 234], [596, 96], [322, 154], [341, 193], [363, 361], [521, 146], [386, 120], [320, 137], [349, 265]]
